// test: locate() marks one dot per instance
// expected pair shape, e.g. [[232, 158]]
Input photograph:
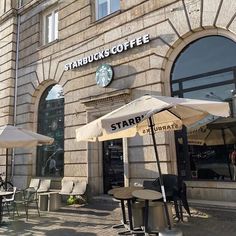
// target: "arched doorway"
[[205, 69], [50, 159]]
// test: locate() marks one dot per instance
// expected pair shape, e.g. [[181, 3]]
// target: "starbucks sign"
[[108, 52]]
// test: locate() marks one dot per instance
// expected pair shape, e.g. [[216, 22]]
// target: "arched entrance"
[[50, 159], [205, 69]]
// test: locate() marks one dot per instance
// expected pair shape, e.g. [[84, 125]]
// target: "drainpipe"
[[15, 90]]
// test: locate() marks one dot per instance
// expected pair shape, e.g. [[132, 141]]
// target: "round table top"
[[125, 193], [5, 193], [113, 191], [147, 194]]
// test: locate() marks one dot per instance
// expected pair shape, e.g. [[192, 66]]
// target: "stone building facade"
[[28, 66]]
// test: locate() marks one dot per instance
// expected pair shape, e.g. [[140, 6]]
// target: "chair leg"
[[8, 209], [177, 213], [38, 207], [181, 210], [15, 209], [26, 210]]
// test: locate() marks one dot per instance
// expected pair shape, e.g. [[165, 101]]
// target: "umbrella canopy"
[[169, 113], [12, 137], [220, 131], [147, 115]]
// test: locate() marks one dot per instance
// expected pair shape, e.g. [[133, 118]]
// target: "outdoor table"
[[125, 194], [3, 194], [123, 221], [146, 195]]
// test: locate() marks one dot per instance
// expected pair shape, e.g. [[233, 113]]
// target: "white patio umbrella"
[[219, 131], [13, 137], [147, 115]]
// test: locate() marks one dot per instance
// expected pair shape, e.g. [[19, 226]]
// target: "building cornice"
[[115, 96], [9, 14]]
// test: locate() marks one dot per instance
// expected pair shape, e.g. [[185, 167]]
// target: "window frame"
[[108, 9], [52, 12]]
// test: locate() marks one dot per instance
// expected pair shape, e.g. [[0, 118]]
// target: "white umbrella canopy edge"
[[134, 116], [41, 139], [13, 137]]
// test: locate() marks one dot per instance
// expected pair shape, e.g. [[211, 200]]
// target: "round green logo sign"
[[104, 75]]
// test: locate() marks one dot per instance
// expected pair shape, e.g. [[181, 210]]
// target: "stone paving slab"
[[97, 219]]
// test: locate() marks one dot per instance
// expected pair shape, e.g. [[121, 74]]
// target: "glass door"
[[113, 165]]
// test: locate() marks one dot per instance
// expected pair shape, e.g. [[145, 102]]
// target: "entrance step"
[[212, 204]]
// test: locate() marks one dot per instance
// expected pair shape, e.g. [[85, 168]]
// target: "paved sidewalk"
[[97, 219]]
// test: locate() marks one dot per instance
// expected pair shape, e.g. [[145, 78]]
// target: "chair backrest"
[[34, 183], [79, 188], [66, 187], [12, 197], [150, 184], [30, 195], [172, 185], [44, 185]]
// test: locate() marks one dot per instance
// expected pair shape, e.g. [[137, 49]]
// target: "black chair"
[[29, 197], [176, 191], [9, 202]]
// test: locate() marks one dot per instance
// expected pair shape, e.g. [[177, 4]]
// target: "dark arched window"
[[205, 69], [50, 159]]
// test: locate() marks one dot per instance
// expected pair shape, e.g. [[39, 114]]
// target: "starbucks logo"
[[104, 75]]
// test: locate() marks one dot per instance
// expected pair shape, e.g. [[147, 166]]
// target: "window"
[[50, 158], [106, 7], [206, 69], [50, 26]]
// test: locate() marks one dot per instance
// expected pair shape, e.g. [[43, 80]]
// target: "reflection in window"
[[50, 159], [206, 69], [50, 26]]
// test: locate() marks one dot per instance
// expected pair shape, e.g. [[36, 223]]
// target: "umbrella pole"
[[160, 174], [223, 135], [6, 169]]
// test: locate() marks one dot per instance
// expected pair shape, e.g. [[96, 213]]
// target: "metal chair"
[[8, 202], [29, 197], [176, 191]]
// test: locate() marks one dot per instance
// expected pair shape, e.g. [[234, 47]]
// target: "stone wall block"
[[176, 15], [113, 34], [193, 9], [153, 76], [8, 48], [226, 13], [153, 18], [34, 39], [34, 29], [75, 28], [132, 27], [68, 7], [76, 157], [210, 8], [79, 170], [71, 144], [35, 19], [166, 33]]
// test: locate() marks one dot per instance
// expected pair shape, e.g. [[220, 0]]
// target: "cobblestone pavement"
[[97, 219]]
